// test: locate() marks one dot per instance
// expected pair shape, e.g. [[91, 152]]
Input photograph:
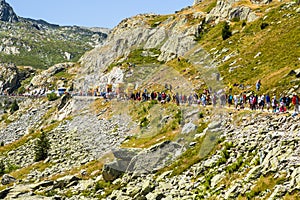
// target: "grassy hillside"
[[41, 46], [266, 49]]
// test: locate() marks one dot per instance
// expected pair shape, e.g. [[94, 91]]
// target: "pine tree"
[[226, 33], [14, 106], [42, 147]]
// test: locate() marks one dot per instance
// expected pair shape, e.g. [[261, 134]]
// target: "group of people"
[[249, 99], [260, 102], [238, 101]]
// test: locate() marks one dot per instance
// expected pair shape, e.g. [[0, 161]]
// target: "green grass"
[[157, 20], [136, 58], [210, 6]]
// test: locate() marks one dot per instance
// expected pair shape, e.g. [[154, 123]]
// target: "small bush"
[[42, 147], [11, 167], [201, 115], [226, 33], [52, 96], [102, 185], [264, 25], [2, 144], [144, 122], [236, 19], [2, 167], [21, 90], [235, 166], [244, 23], [14, 106]]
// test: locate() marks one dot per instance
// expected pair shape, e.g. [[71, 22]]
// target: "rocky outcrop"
[[261, 148], [7, 179], [136, 32], [46, 77], [154, 158], [138, 162], [11, 77], [197, 2], [225, 10], [115, 169], [7, 13]]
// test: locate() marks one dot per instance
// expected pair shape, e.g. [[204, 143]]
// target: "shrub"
[[144, 122], [11, 167], [14, 106], [244, 24], [2, 167], [52, 96], [2, 144], [201, 115], [264, 25], [21, 90], [42, 147], [226, 33]]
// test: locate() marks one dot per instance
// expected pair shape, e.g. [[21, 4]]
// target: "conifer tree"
[[226, 33], [42, 147], [14, 106]]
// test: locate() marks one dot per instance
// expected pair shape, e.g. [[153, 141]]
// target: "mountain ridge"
[[30, 49]]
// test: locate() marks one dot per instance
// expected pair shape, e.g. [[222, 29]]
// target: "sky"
[[93, 13]]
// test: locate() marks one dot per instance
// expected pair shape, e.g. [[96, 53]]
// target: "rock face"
[[261, 146], [46, 77], [225, 10], [7, 13], [11, 77], [136, 32]]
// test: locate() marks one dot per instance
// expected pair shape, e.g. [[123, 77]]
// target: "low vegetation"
[[137, 57]]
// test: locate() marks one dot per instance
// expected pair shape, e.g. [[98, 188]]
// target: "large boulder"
[[7, 179], [154, 158], [115, 169], [66, 181]]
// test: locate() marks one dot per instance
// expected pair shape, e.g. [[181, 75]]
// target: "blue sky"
[[93, 13]]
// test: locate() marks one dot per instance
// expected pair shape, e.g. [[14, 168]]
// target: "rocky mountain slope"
[[39, 44], [125, 149]]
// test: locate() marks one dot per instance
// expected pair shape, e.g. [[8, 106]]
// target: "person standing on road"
[[295, 101], [258, 84]]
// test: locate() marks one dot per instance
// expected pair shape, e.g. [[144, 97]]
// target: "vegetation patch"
[[41, 147], [264, 183], [157, 20], [137, 57]]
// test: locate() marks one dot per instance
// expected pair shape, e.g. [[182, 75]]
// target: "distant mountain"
[[7, 13], [37, 43]]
